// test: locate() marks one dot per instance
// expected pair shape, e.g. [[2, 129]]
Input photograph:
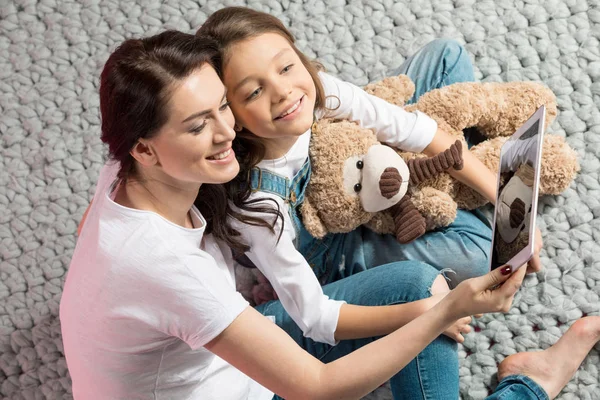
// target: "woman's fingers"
[[535, 264]]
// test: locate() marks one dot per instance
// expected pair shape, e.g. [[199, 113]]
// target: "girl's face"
[[270, 90], [194, 146]]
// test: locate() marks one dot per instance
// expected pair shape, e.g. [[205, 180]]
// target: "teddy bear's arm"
[[425, 168]]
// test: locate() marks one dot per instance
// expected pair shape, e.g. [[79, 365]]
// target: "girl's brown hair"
[[228, 27], [135, 87]]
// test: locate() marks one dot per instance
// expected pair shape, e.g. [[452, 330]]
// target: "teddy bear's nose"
[[389, 182]]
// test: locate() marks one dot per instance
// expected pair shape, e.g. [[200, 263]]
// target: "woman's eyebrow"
[[205, 112]]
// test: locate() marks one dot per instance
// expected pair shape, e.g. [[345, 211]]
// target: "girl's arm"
[[261, 350], [409, 131], [320, 318], [474, 173]]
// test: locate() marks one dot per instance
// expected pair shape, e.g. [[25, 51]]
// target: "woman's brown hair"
[[135, 87]]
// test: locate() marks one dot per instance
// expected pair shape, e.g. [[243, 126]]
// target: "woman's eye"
[[253, 94], [225, 106], [287, 68], [198, 129]]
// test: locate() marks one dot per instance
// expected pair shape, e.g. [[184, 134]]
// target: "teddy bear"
[[494, 110]]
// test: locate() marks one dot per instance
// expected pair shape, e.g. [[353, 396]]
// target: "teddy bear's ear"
[[311, 220], [395, 89]]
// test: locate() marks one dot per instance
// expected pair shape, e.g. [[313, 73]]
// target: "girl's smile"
[[292, 111]]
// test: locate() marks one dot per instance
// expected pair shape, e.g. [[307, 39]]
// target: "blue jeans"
[[433, 374], [518, 387]]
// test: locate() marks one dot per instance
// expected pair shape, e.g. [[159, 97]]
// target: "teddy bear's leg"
[[409, 222]]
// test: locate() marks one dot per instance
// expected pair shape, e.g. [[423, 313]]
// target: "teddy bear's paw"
[[438, 208], [395, 89], [559, 165]]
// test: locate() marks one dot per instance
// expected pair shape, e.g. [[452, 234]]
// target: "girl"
[[149, 308]]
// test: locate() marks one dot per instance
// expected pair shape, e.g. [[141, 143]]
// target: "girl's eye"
[[254, 94], [287, 68], [198, 129], [225, 106]]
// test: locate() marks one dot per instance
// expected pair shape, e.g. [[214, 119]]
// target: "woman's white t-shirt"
[[141, 299]]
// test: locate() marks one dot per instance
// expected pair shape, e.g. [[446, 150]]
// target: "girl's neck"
[[153, 194], [278, 147]]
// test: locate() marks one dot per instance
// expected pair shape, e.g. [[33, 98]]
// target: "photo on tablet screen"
[[516, 203]]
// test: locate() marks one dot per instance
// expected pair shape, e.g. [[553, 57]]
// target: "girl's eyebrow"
[[203, 113], [250, 77]]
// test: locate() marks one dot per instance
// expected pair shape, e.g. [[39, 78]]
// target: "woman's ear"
[[144, 153]]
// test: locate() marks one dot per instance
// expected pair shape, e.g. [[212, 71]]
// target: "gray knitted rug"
[[51, 54]]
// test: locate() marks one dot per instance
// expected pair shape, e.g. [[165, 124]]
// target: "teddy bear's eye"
[[357, 187], [359, 165]]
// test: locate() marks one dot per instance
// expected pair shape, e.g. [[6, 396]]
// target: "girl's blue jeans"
[[462, 247]]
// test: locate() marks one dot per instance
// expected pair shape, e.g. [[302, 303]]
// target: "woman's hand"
[[493, 292], [535, 265]]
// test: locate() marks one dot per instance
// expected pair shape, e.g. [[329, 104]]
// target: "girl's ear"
[[144, 153]]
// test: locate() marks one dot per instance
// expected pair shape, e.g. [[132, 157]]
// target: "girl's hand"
[[458, 328], [493, 292]]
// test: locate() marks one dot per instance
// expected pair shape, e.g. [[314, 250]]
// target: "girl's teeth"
[[291, 110], [220, 156]]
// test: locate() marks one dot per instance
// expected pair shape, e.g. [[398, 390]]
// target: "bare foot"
[[554, 367]]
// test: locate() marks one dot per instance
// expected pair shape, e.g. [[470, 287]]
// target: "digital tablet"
[[517, 194]]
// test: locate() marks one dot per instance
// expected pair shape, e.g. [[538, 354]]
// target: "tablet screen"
[[516, 203]]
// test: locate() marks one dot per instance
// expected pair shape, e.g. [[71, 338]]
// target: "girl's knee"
[[440, 285], [412, 280], [454, 56]]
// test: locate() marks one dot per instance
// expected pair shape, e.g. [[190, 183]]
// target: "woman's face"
[[270, 90], [194, 145]]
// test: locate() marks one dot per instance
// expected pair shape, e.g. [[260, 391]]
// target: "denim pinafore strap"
[[291, 191]]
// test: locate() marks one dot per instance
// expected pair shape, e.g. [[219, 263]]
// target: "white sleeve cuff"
[[422, 133], [324, 330]]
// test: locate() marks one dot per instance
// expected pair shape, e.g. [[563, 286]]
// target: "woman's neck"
[[164, 198]]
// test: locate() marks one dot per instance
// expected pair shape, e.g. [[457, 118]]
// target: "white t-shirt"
[[141, 299], [286, 269]]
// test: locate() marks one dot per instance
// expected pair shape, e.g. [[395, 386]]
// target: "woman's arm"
[[260, 349], [474, 173], [87, 210]]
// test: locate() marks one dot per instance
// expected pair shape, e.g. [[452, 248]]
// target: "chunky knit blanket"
[[51, 54]]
